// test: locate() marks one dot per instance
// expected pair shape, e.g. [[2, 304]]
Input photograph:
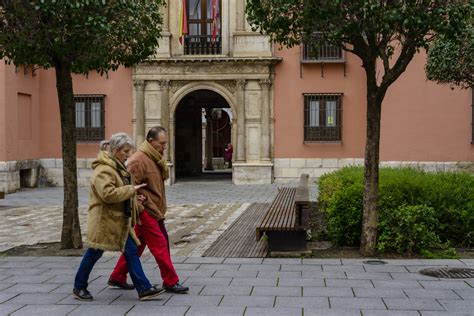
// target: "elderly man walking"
[[148, 165]]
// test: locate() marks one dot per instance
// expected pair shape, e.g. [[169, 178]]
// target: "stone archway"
[[180, 99], [245, 84]]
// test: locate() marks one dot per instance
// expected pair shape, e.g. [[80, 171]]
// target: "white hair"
[[117, 141]]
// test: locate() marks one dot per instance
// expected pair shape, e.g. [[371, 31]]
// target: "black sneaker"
[[177, 288], [83, 295], [122, 285], [150, 294]]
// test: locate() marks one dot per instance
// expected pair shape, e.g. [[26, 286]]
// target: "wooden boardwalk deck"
[[238, 241]]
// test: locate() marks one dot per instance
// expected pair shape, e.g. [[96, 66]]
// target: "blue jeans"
[[134, 266]]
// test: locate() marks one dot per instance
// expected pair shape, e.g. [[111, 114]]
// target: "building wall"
[[20, 105], [423, 124], [30, 128], [417, 116], [117, 89]]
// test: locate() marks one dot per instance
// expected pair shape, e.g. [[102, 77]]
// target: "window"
[[89, 118], [322, 117], [204, 27], [315, 50]]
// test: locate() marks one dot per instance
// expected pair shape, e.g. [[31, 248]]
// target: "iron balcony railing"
[[202, 45]]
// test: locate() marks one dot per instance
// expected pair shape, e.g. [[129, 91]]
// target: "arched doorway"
[[202, 129]]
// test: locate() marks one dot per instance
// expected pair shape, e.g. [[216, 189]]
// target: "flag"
[[183, 21], [215, 16]]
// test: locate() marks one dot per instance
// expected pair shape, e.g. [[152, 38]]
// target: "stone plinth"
[[248, 173]]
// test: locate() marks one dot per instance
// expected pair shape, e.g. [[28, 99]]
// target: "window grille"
[[322, 117], [90, 112], [317, 50]]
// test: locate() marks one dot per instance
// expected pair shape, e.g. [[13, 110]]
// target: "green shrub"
[[430, 207], [409, 228]]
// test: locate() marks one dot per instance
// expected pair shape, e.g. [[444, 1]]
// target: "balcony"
[[202, 45]]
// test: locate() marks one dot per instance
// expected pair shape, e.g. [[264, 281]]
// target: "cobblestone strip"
[[212, 237], [188, 225]]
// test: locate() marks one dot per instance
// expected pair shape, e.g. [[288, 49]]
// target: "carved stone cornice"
[[189, 68]]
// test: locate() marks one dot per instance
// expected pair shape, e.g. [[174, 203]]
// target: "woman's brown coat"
[[107, 226]]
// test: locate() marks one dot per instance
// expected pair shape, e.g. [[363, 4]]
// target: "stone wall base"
[[248, 173], [289, 169], [49, 172], [40, 173]]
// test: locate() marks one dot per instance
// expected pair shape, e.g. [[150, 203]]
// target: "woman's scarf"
[[124, 174], [157, 157], [129, 205]]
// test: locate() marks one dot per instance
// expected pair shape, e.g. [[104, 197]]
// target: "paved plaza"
[[232, 286], [198, 214], [181, 193]]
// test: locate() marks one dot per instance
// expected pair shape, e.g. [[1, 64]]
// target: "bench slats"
[[280, 210], [281, 215], [288, 211]]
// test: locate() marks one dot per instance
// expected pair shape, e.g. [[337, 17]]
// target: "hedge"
[[417, 210]]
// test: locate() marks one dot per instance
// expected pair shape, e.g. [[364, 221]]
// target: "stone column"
[[240, 92], [139, 86], [152, 104], [165, 110], [166, 17], [240, 10], [265, 95], [209, 152]]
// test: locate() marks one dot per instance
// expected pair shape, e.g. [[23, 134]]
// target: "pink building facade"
[[290, 112], [424, 124]]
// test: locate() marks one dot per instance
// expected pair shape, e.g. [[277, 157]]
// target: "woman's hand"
[[139, 186], [141, 198]]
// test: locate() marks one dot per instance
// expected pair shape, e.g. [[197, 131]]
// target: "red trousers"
[[151, 233]]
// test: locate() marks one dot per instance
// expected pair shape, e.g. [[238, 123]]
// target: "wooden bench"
[[287, 219], [2, 195]]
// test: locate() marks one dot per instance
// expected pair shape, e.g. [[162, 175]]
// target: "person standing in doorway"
[[228, 154], [148, 165], [113, 210]]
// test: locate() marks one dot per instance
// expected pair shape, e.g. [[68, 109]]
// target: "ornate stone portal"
[[245, 83]]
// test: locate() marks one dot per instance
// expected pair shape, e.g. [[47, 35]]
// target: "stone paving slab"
[[143, 310], [46, 310], [7, 309], [222, 287]]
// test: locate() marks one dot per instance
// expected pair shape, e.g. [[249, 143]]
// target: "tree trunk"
[[71, 230], [371, 173]]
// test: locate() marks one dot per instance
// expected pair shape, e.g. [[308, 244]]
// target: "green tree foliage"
[[451, 60], [384, 34], [77, 36]]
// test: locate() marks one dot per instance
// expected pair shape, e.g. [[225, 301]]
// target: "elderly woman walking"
[[113, 211]]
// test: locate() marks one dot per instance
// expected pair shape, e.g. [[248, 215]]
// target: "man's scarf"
[[157, 158]]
